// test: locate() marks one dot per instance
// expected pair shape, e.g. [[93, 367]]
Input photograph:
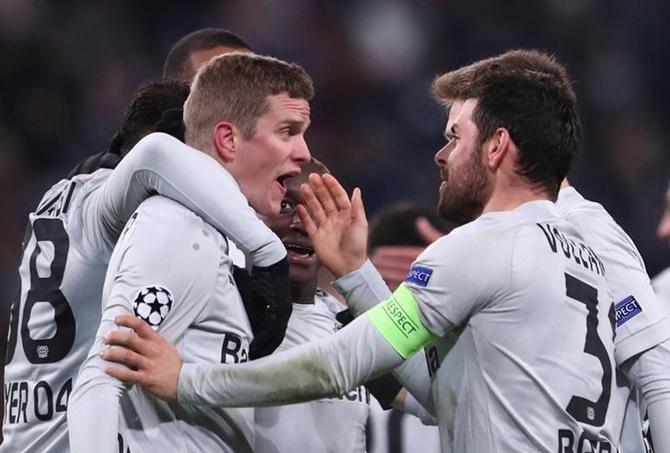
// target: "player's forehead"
[[282, 107]]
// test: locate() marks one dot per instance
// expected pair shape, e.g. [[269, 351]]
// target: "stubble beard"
[[463, 195]]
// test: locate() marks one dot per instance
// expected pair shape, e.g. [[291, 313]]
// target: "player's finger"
[[140, 326], [307, 221], [125, 375], [336, 191], [313, 203], [125, 357], [127, 339], [323, 193], [357, 207], [427, 231]]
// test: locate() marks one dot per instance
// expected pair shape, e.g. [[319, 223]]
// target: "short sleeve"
[[457, 276], [641, 320]]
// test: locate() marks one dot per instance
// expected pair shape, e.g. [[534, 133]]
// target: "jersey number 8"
[[44, 289]]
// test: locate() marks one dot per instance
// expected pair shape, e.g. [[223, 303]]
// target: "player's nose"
[[301, 151], [296, 225], [442, 155]]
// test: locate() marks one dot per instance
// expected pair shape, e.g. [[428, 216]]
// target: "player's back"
[[531, 369], [54, 316], [640, 316]]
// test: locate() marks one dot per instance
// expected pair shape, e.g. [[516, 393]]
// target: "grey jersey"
[[56, 316], [531, 368], [171, 269], [326, 425], [641, 319]]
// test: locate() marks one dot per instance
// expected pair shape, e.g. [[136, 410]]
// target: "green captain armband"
[[397, 319]]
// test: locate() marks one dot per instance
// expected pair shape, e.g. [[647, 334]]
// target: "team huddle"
[[170, 295]]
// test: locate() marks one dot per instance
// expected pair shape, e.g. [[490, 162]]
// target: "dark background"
[[67, 69]]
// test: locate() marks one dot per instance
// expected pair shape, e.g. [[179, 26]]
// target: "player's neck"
[[303, 293], [513, 197]]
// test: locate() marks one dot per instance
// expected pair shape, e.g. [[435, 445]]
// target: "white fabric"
[[84, 217], [168, 246], [628, 281], [326, 425]]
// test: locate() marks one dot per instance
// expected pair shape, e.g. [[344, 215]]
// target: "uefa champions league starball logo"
[[153, 304]]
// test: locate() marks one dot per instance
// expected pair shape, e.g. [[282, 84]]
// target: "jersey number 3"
[[45, 289], [583, 410]]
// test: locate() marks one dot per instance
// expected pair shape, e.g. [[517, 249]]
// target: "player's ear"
[[497, 148], [225, 140]]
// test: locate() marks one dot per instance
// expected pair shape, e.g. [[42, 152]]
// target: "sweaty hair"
[[530, 94], [178, 61], [396, 225], [234, 87], [146, 108]]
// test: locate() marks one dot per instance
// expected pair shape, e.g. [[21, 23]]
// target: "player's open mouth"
[[301, 251], [281, 182]]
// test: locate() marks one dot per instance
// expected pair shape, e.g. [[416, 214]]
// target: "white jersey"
[[326, 425], [531, 367], [171, 269], [62, 273], [68, 244], [640, 317]]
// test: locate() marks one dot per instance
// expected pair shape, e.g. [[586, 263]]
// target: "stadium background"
[[68, 68]]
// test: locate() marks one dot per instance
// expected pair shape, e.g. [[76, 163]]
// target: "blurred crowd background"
[[68, 68]]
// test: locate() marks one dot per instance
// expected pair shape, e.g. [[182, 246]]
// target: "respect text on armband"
[[401, 320], [28, 401], [569, 442]]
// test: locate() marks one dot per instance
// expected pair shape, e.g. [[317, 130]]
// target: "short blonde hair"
[[234, 87]]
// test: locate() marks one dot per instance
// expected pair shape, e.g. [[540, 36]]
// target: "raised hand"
[[337, 225], [153, 361]]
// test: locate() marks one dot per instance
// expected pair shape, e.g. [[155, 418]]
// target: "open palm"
[[337, 225]]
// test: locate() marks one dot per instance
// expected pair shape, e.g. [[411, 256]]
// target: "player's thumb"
[[427, 231]]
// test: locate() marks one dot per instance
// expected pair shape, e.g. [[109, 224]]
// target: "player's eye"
[[452, 140], [286, 207]]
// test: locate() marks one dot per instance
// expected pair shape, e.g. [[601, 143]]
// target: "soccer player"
[[327, 425], [642, 326], [195, 49], [522, 325], [171, 268], [67, 247]]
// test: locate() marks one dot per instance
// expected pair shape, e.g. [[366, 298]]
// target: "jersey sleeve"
[[457, 276], [641, 321], [161, 164], [163, 270]]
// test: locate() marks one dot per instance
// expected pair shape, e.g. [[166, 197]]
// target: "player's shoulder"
[[67, 194], [495, 230], [163, 219], [596, 224]]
